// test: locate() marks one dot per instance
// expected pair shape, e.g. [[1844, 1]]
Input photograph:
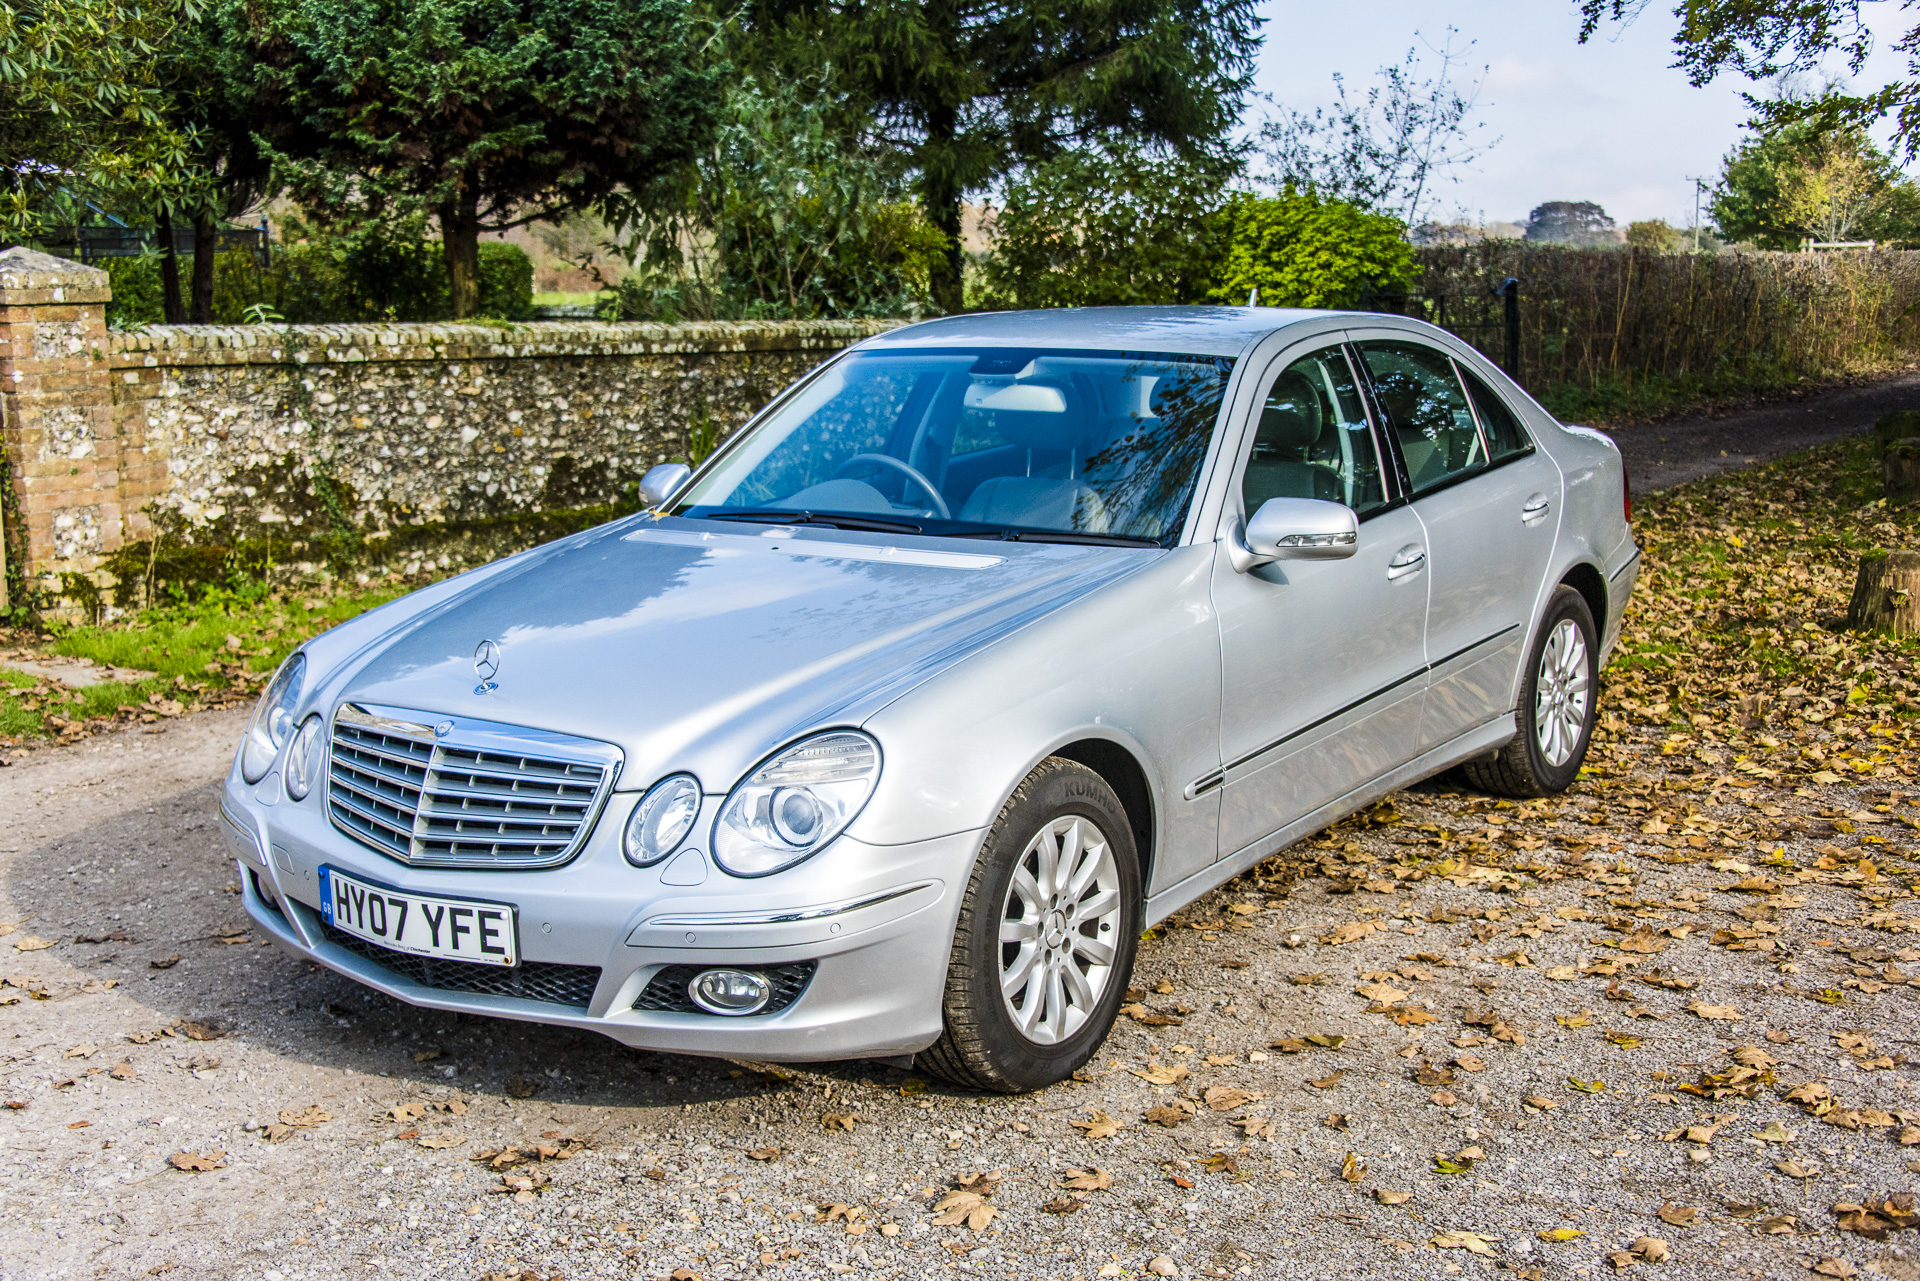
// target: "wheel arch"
[[1585, 579], [1123, 772]]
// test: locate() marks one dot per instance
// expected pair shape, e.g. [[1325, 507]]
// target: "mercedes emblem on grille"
[[486, 665]]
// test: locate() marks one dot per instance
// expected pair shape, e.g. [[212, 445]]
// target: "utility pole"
[[1699, 186]]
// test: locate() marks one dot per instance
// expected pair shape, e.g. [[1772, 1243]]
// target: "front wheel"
[[1557, 706], [1045, 943]]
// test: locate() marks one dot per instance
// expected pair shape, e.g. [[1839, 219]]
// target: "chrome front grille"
[[454, 792]]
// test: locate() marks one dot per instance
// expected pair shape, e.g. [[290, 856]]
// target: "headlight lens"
[[272, 719], [662, 820], [793, 805], [302, 765]]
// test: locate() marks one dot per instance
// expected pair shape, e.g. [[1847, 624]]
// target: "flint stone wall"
[[233, 433]]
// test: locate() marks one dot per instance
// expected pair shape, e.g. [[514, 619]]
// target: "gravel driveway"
[[1532, 1080]]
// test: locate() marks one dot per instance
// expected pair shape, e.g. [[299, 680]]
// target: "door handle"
[[1410, 559], [1536, 508]]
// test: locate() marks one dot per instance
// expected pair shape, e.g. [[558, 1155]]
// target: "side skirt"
[[1475, 742]]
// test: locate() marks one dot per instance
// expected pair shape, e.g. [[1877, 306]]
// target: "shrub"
[[1094, 229], [367, 275], [1300, 250]]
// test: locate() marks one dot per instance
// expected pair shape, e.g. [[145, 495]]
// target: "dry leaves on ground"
[[196, 1162]]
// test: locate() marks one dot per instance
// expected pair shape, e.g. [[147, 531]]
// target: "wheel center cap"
[[1056, 933]]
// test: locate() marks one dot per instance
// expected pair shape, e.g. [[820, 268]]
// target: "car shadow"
[[151, 901]]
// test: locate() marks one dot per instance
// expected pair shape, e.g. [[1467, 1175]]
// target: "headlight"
[[662, 820], [272, 719], [794, 804], [302, 765]]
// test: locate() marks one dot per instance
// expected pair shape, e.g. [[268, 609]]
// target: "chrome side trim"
[[788, 916]]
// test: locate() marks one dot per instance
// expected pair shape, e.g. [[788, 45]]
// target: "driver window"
[[1427, 410], [1313, 440]]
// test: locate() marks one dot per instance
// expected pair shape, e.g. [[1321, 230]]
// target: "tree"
[[487, 113], [1300, 249], [1765, 40], [1655, 234], [1570, 222], [1805, 180], [975, 89], [784, 214], [1391, 150], [1094, 229], [82, 116]]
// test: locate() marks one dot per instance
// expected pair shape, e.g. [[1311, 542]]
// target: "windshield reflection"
[[1057, 445]]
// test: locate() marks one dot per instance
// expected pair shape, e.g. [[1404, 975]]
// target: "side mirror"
[[1302, 529], [663, 482]]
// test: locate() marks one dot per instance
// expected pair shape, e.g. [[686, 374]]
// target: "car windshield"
[[1095, 446]]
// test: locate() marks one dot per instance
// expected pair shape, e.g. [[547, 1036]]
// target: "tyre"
[[1557, 706], [1045, 944]]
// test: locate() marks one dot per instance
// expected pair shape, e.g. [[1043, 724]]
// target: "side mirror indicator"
[[1302, 529]]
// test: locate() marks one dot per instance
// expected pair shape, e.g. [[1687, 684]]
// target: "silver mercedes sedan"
[[992, 641]]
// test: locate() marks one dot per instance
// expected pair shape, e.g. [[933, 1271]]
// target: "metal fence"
[[90, 244]]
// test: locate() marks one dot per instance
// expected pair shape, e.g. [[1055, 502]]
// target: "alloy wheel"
[[1562, 693], [1058, 927]]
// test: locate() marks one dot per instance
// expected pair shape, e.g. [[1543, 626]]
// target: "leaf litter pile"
[[1662, 1025]]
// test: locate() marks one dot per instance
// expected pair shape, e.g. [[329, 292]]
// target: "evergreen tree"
[[486, 113], [975, 89]]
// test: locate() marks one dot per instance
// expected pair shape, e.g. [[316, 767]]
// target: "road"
[[1662, 455]]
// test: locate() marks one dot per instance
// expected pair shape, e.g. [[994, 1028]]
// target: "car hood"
[[700, 647]]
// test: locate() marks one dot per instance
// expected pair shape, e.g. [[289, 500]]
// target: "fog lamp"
[[730, 991]]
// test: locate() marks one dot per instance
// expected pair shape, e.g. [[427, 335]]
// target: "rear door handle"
[[1410, 559], [1536, 508]]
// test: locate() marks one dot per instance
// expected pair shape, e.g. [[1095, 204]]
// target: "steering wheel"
[[906, 469]]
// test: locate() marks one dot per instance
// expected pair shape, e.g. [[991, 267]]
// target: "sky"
[[1610, 121]]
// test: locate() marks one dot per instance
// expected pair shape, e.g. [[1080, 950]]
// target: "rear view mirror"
[[663, 482], [1303, 529]]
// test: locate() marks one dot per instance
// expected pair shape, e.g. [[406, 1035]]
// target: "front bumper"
[[876, 922]]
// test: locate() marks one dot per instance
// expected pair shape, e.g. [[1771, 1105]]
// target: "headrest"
[[1292, 417]]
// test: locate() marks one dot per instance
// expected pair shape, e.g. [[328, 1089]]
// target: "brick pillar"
[[56, 412]]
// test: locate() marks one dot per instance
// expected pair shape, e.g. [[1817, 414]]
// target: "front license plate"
[[452, 929]]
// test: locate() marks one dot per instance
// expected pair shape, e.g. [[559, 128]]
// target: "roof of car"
[[1210, 331]]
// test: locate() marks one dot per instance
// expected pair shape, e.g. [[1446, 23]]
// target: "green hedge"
[[346, 279]]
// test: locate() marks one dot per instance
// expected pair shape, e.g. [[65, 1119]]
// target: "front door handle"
[[1535, 509], [1410, 559]]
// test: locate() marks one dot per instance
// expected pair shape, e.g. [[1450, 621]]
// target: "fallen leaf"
[[1714, 1011], [1464, 1241], [1587, 1087], [1351, 1170], [1652, 1249], [1560, 1234], [1223, 1098], [1062, 1205], [1098, 1125], [1178, 1113], [1540, 1101], [839, 1120], [1386, 1197], [521, 1087], [1092, 1180], [31, 943], [1157, 1075], [166, 962], [765, 1154], [196, 1162], [1835, 1267], [964, 1207], [1680, 1216], [1328, 1082], [1793, 1169]]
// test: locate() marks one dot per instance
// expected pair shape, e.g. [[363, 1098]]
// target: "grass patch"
[[567, 300], [211, 652]]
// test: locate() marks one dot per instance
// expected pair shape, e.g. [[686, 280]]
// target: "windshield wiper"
[[1059, 536], [832, 519]]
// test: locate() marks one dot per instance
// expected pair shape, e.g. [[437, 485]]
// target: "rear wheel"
[[1557, 706], [1045, 943]]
